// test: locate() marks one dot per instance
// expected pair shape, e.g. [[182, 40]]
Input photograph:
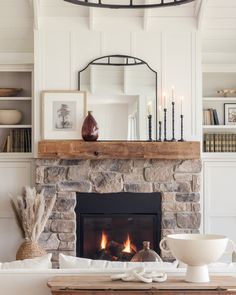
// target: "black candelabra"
[[160, 130], [149, 127], [182, 128], [165, 127], [173, 121]]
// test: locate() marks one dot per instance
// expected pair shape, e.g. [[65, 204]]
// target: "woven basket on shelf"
[[29, 250]]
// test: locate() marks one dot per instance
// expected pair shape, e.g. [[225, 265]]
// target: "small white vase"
[[10, 117]]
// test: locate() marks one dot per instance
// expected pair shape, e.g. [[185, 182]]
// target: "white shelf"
[[219, 156], [219, 99], [220, 127], [219, 68], [14, 98], [15, 126], [16, 155]]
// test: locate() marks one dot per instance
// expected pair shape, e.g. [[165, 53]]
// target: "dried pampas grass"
[[32, 212]]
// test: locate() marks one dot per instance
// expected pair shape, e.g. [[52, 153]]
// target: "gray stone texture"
[[139, 187], [189, 220], [178, 181], [190, 166], [54, 174], [107, 182], [63, 226], [160, 171], [73, 186], [192, 197], [49, 241]]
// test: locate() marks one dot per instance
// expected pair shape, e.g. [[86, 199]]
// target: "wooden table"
[[98, 285]]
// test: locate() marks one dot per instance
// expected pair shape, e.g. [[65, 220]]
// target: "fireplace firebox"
[[114, 226]]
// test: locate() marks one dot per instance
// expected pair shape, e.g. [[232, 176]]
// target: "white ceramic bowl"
[[197, 251], [10, 117]]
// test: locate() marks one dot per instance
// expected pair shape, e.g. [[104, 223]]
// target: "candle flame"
[[103, 241]]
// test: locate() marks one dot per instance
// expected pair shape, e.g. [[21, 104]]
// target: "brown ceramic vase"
[[90, 128]]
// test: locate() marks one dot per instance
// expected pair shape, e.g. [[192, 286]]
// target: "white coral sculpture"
[[32, 212]]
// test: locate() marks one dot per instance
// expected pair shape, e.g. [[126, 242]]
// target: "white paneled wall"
[[16, 29], [219, 197], [16, 32], [66, 45], [219, 38], [13, 176]]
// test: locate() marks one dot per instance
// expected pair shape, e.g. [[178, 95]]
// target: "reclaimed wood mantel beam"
[[78, 149]]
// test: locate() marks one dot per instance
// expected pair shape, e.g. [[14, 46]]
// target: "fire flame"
[[127, 245], [103, 241]]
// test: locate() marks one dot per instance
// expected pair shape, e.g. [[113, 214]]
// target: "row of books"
[[18, 141], [220, 142], [210, 117]]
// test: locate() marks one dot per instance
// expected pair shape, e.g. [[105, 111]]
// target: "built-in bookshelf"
[[218, 137], [17, 140]]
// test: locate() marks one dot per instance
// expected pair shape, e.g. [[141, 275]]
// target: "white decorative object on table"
[[197, 251], [140, 274], [10, 117]]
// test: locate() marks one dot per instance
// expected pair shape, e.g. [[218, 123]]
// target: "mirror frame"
[[129, 61]]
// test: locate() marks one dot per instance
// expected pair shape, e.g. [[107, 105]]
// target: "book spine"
[[216, 119], [30, 140], [8, 147], [211, 117], [230, 143], [223, 143], [227, 146], [11, 147], [15, 140], [219, 143], [216, 136], [207, 143], [208, 117], [234, 142], [212, 143]]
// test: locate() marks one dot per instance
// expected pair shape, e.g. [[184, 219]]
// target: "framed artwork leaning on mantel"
[[63, 113]]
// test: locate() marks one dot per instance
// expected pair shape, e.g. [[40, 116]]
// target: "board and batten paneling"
[[219, 197], [219, 38], [63, 51], [13, 176], [16, 26]]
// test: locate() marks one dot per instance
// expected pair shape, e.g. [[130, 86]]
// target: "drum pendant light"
[[129, 4]]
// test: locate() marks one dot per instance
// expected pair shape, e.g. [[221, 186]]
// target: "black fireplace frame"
[[123, 204]]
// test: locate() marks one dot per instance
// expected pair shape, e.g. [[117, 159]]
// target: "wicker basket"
[[29, 250]]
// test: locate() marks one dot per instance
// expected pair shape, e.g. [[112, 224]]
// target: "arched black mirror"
[[122, 93]]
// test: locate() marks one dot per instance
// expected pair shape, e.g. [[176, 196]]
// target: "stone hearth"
[[179, 182]]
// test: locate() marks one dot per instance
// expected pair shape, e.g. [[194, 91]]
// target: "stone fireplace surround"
[[178, 181]]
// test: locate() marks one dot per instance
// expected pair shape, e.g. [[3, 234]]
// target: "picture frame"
[[230, 113], [63, 114]]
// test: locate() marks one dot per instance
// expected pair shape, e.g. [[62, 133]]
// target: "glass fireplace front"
[[114, 226]]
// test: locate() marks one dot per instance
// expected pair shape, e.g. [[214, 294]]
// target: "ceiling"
[[58, 8], [16, 23], [219, 32], [216, 20]]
